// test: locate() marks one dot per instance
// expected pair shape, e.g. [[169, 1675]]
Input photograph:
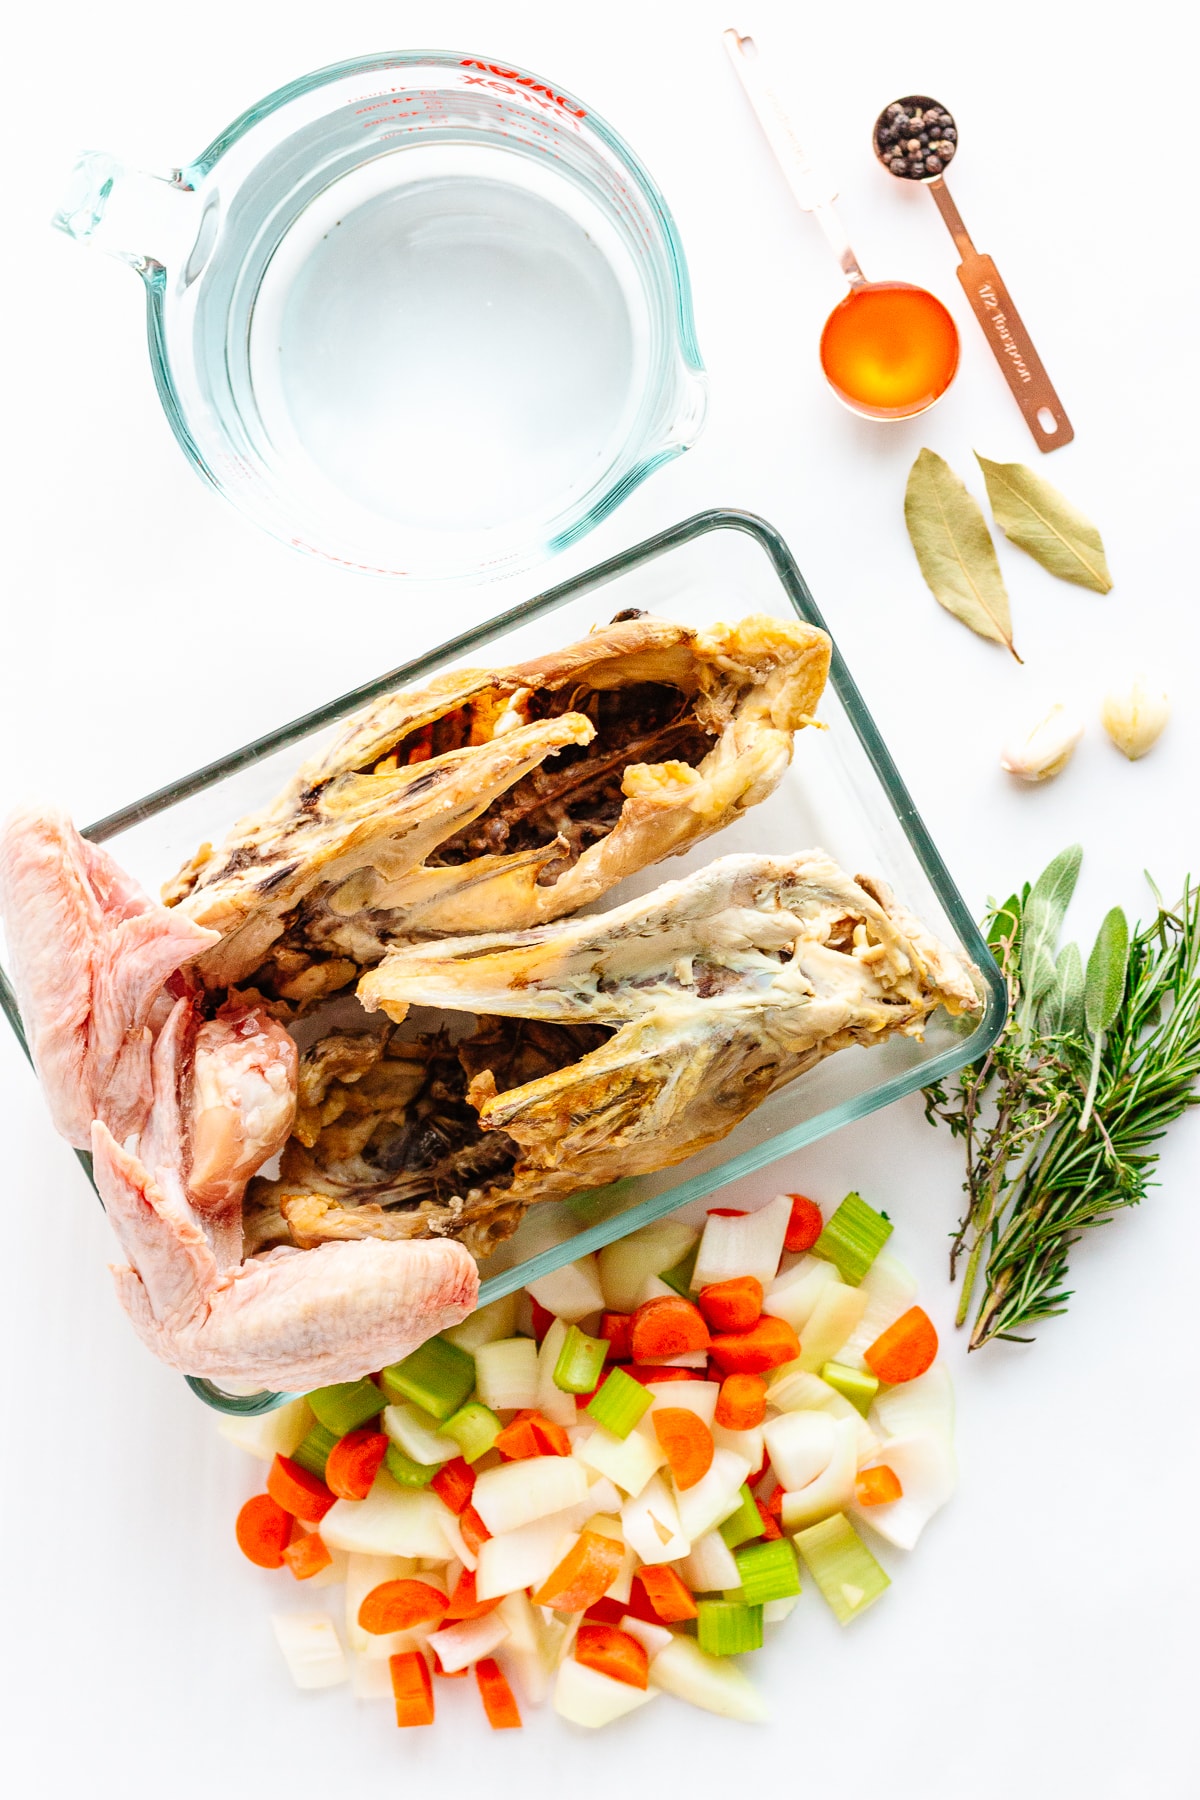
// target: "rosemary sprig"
[[1061, 1119]]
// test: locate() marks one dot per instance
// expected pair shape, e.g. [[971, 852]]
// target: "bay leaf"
[[954, 549], [1034, 515]]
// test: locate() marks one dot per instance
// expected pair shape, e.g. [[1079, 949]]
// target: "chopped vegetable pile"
[[612, 1503]]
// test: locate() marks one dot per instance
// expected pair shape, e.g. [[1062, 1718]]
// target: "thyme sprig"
[[1061, 1119]]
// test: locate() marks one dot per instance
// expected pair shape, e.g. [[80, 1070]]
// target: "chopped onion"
[[523, 1558], [683, 1359], [570, 1293], [270, 1434], [926, 1404], [794, 1293], [506, 1373], [391, 1521], [890, 1289], [455, 1541], [620, 1588], [629, 1461], [699, 1397], [710, 1568], [518, 1492], [746, 1444], [465, 1641], [363, 1573], [775, 1611], [520, 1654], [553, 1402], [487, 1324], [798, 1390], [652, 1638], [800, 1445], [837, 1313], [310, 1647], [713, 1498], [650, 1522], [626, 1265], [924, 1465], [750, 1244], [712, 1682], [584, 1696], [655, 1288], [833, 1489], [417, 1434]]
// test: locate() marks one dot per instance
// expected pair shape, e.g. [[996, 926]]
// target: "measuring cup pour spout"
[[149, 221]]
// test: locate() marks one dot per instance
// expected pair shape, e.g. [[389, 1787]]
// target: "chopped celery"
[[768, 1571], [406, 1471], [579, 1362], [438, 1376], [346, 1405], [680, 1277], [853, 1238], [726, 1628], [745, 1523], [474, 1428], [312, 1452], [858, 1386], [842, 1566], [619, 1404]]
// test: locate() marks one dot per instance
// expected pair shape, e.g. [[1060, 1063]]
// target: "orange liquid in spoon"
[[889, 350]]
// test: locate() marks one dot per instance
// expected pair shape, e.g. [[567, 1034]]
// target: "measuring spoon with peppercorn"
[[915, 138], [889, 349]]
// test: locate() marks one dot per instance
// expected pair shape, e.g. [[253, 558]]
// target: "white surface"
[[1041, 1639]]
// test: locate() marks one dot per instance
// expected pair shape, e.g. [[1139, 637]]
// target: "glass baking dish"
[[842, 792]]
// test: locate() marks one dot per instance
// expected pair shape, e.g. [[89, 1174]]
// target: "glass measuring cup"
[[421, 314]]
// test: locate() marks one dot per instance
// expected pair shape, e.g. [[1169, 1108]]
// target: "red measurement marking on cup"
[[524, 81]]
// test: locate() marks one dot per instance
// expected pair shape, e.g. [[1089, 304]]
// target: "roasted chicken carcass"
[[503, 797], [705, 996], [179, 1109]]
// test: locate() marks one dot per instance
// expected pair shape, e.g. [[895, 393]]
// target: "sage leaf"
[[1105, 986], [1062, 1013], [1034, 515], [955, 550], [1044, 912], [1004, 930]]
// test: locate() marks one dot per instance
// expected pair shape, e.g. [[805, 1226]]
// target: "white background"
[[1042, 1639]]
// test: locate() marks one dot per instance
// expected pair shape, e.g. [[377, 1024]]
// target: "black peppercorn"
[[933, 165], [950, 133], [898, 166]]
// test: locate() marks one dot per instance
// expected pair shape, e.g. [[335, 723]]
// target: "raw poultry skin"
[[179, 1111], [511, 796], [711, 993]]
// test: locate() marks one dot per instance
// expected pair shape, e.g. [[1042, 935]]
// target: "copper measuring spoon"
[[889, 350], [897, 137]]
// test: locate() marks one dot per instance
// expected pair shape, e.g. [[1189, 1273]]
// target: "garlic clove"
[[1046, 749], [1134, 717]]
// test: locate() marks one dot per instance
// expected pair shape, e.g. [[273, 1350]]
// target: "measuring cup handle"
[[1013, 349], [148, 221]]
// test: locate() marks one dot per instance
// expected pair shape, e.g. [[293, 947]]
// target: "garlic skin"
[[1045, 750], [1134, 717]]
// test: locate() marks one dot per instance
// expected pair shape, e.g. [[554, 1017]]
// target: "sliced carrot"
[[874, 1487], [475, 1532], [667, 1327], [617, 1328], [516, 1443], [552, 1439], [454, 1484], [307, 1555], [733, 1305], [543, 1319], [412, 1687], [647, 1372], [447, 1674], [774, 1502], [770, 1524], [354, 1462], [305, 1496], [742, 1402], [399, 1605], [805, 1225], [687, 1441], [264, 1531], [667, 1594], [499, 1703], [766, 1345], [583, 1575], [463, 1602], [905, 1350], [613, 1653]]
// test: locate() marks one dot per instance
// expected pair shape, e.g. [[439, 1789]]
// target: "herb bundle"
[[1060, 1120]]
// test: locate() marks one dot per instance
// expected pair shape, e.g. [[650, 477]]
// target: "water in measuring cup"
[[454, 352]]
